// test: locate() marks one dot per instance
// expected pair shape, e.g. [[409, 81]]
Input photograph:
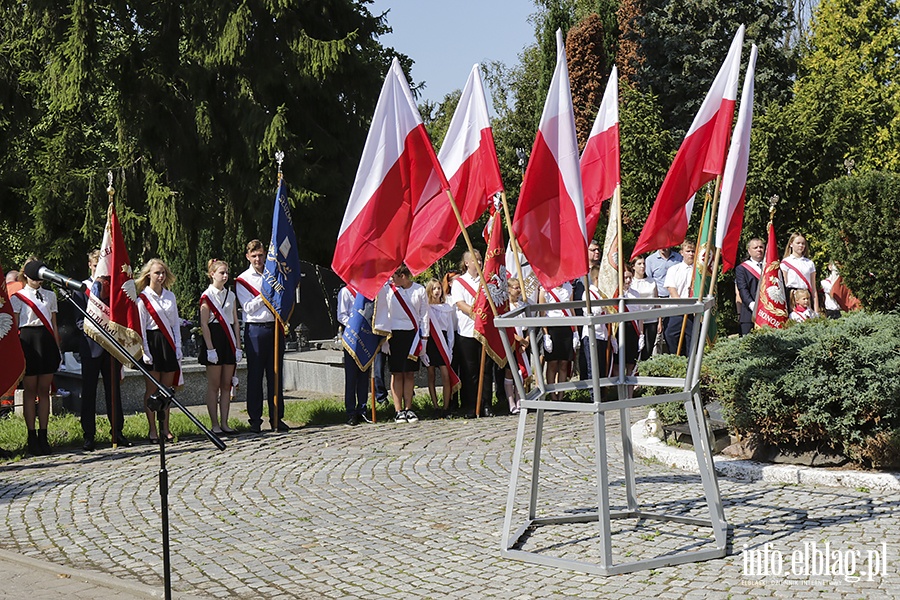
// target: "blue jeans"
[[259, 345]]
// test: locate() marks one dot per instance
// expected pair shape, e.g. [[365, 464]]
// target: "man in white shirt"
[[259, 342], [463, 293], [678, 284]]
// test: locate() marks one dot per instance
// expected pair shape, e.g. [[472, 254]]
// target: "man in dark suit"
[[746, 280], [94, 362]]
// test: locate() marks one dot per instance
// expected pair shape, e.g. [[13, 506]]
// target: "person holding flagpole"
[[35, 316], [259, 337], [746, 280], [464, 291], [97, 361], [161, 327], [219, 324]]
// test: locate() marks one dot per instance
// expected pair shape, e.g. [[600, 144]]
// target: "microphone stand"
[[158, 402]]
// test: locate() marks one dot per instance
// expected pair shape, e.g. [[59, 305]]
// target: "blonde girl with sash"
[[35, 316], [798, 270], [441, 322], [219, 324], [161, 328]]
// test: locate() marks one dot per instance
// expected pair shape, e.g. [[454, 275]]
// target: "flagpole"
[[465, 233], [620, 266], [697, 253], [275, 419], [514, 244], [111, 191]]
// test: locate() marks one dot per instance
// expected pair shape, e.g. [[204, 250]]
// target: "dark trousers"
[[746, 327], [651, 330], [356, 386], [259, 346], [91, 369], [673, 333], [470, 358], [381, 391]]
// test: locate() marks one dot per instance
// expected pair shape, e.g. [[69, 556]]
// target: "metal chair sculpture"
[[530, 317]]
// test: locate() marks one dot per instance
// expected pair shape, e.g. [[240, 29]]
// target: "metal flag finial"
[[279, 158], [109, 188]]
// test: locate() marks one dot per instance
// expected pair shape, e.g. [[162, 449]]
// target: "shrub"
[[669, 365], [860, 216], [825, 383]]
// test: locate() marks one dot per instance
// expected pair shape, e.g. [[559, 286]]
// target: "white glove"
[[238, 355], [386, 347], [179, 354], [614, 343], [235, 381], [576, 341], [641, 343], [212, 356], [753, 306], [548, 343], [424, 358], [147, 358]]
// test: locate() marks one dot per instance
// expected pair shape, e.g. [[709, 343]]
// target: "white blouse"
[[168, 313], [46, 302], [224, 302]]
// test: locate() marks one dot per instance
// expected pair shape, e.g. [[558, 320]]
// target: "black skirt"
[[221, 344], [164, 359], [40, 350], [434, 355], [401, 343], [562, 343]]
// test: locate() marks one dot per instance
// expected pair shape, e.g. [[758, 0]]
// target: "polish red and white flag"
[[469, 160], [600, 159], [397, 163], [734, 182], [699, 160], [549, 221]]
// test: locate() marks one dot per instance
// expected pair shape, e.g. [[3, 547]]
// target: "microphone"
[[38, 271]]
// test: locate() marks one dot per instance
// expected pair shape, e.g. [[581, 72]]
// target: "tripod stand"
[[158, 402]]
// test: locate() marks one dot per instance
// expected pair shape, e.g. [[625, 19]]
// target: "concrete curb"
[[649, 447], [132, 589]]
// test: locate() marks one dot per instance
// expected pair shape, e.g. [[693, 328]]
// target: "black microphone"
[[38, 271]]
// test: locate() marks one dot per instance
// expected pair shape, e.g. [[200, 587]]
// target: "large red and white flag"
[[734, 181], [11, 356], [496, 277], [549, 221], [600, 159], [392, 180], [771, 300], [112, 299], [469, 160], [699, 160]]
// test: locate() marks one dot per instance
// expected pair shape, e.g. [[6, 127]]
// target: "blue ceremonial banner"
[[358, 338], [281, 275]]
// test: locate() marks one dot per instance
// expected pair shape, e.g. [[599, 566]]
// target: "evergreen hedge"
[[821, 383]]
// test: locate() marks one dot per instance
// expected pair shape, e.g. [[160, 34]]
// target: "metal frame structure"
[[530, 317]]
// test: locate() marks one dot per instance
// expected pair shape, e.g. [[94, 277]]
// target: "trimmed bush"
[[829, 384]]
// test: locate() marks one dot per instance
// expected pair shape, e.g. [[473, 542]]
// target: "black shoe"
[[255, 428], [281, 426], [33, 448], [44, 443], [383, 400], [470, 415], [364, 417], [88, 445], [353, 421], [123, 441], [487, 412]]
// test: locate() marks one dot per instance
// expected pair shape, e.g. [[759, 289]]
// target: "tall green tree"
[[187, 104]]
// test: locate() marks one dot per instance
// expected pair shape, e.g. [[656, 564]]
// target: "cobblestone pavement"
[[415, 511]]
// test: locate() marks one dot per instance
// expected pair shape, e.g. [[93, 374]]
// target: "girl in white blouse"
[[161, 327], [219, 324], [441, 319], [35, 315]]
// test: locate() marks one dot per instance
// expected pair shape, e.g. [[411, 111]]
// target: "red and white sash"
[[247, 286], [438, 336], [416, 347], [153, 311], [220, 318], [800, 275], [565, 311], [467, 287], [37, 311], [752, 268], [801, 316]]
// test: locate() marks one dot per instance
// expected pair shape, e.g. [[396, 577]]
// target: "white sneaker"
[[411, 417], [401, 417]]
